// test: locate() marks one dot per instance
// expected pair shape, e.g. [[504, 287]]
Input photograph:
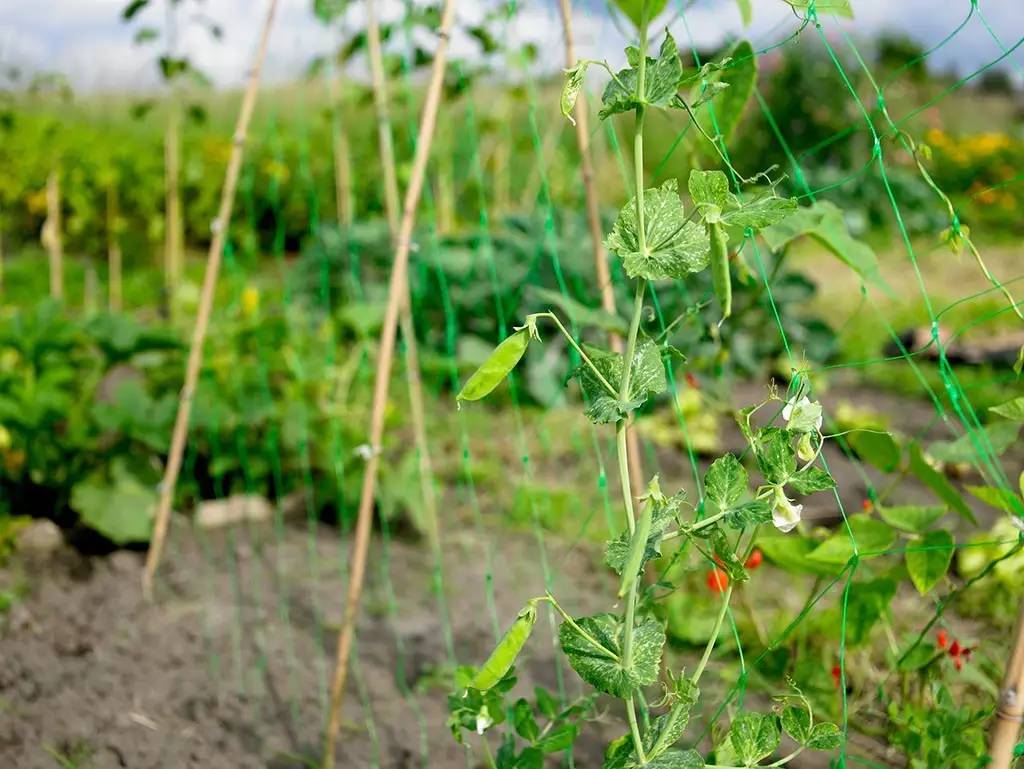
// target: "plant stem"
[[714, 635], [579, 350], [634, 729]]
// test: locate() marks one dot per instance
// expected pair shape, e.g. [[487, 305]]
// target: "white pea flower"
[[803, 415], [483, 721], [1017, 522], [805, 448], [785, 515]]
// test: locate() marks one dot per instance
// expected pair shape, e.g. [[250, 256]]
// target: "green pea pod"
[[498, 366], [508, 648], [720, 277], [637, 547]]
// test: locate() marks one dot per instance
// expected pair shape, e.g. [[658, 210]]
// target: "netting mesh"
[[524, 493]]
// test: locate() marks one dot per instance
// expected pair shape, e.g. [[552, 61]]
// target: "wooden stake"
[[195, 354], [397, 292], [604, 278], [114, 284], [52, 237], [1010, 710]]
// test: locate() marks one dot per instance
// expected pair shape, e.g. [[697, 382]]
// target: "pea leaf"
[[661, 82], [796, 722], [676, 759], [709, 188], [867, 601], [1012, 410], [498, 366], [523, 721], [725, 482], [792, 553], [666, 730], [825, 736], [773, 447], [726, 556], [872, 538], [928, 561], [753, 736], [752, 513], [571, 90], [938, 483], [998, 436], [595, 653], [663, 514], [880, 449], [558, 739], [832, 7], [633, 9], [912, 518], [761, 213], [723, 115], [811, 479], [122, 510], [674, 247], [746, 11], [647, 379], [1001, 499], [825, 223]]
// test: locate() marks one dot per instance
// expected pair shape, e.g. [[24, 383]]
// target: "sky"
[[87, 41]]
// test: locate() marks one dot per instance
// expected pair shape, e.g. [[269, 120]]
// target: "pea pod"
[[497, 366], [637, 547], [720, 277], [508, 648]]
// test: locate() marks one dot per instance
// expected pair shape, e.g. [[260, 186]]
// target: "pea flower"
[[785, 515], [483, 720], [802, 415]]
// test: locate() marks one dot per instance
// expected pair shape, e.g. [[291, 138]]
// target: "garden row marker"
[[412, 363], [397, 295], [1010, 706], [195, 356], [604, 278]]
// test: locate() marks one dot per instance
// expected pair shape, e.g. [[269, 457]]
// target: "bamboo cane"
[[213, 260], [115, 291], [604, 278], [397, 291], [1010, 710], [53, 238]]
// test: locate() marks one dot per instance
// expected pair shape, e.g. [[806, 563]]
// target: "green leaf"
[[773, 447], [754, 736], [1001, 499], [663, 514], [811, 479], [831, 7], [825, 223], [647, 379], [666, 730], [674, 247], [571, 90], [725, 482], [709, 188], [998, 437], [122, 510], [726, 555], [792, 553], [752, 513], [912, 518], [865, 604], [132, 9], [825, 736], [796, 722], [880, 449], [530, 758], [676, 759], [746, 11], [558, 739], [872, 538], [595, 653], [938, 483], [1012, 410], [928, 560], [498, 366], [761, 213], [661, 82], [723, 115], [523, 721], [633, 9]]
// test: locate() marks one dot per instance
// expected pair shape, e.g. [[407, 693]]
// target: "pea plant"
[[619, 653]]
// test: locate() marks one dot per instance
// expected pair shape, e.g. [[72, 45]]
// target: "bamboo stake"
[[115, 290], [397, 291], [52, 238], [408, 331], [213, 260], [1010, 711], [604, 278]]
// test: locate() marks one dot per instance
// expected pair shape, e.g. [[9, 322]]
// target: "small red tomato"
[[958, 663], [692, 380], [837, 675], [955, 649], [718, 581], [866, 505], [942, 639], [754, 560]]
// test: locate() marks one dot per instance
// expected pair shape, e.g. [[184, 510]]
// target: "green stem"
[[634, 729], [565, 615], [714, 635], [600, 377]]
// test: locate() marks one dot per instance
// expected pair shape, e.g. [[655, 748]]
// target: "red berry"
[[866, 505], [692, 380], [942, 639], [958, 663], [955, 649], [837, 675], [754, 560], [717, 580]]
